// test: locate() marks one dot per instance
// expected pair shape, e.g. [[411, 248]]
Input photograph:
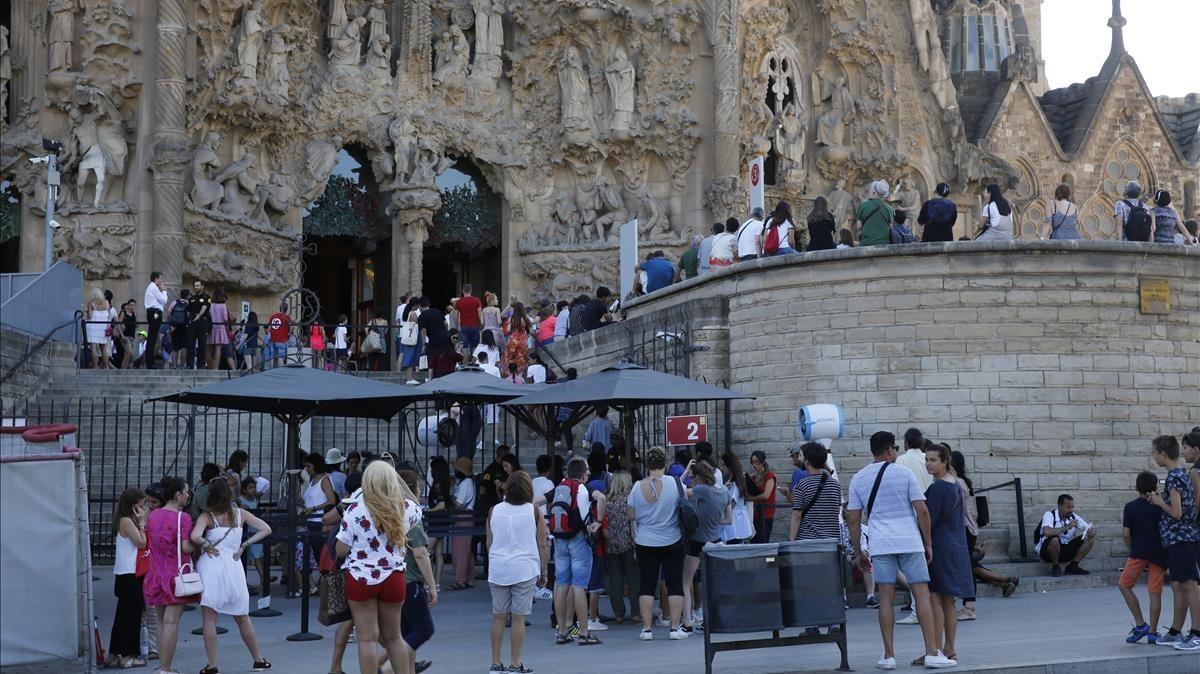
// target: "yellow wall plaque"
[[1155, 294]]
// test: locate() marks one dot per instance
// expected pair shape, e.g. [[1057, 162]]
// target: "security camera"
[[51, 145], [38, 160], [55, 224]]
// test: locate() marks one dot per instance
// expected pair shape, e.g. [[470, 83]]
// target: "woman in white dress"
[[997, 216], [99, 320], [218, 533]]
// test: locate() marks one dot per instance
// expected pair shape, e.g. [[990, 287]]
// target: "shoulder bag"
[[186, 584], [824, 479], [871, 500]]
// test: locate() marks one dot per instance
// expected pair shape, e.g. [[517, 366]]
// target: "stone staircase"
[[35, 373]]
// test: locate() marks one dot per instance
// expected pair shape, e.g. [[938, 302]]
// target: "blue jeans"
[[911, 563], [786, 250], [416, 623], [470, 338], [275, 350], [572, 561]]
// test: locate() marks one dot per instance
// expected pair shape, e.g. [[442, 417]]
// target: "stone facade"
[[195, 132], [1032, 358]]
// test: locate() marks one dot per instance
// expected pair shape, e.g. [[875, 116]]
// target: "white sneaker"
[[596, 626], [677, 634], [698, 615], [662, 621], [542, 593], [910, 619], [646, 635], [939, 661], [412, 382], [886, 663]]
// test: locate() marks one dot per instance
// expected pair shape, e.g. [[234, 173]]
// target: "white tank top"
[[315, 496], [126, 556], [513, 557]]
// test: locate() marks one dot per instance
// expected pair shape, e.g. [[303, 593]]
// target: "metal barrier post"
[[1020, 517]]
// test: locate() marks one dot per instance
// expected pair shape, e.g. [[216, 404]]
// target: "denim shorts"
[[911, 563], [572, 561]]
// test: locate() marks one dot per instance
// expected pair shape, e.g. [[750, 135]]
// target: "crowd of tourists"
[[630, 528]]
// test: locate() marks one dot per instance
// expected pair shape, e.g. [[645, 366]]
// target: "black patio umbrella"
[[294, 394], [625, 387], [472, 385]]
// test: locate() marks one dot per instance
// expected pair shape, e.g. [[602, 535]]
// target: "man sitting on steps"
[[1064, 536]]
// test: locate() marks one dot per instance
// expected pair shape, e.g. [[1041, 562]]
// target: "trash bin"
[[811, 583], [741, 588]]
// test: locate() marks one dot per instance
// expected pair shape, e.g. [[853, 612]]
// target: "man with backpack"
[[1133, 218], [900, 233], [568, 508]]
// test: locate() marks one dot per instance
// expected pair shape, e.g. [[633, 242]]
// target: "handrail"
[[29, 353], [1015, 483]]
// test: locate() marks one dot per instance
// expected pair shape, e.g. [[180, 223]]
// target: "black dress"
[[820, 234]]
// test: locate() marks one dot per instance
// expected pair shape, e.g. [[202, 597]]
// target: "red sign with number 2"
[[687, 430]]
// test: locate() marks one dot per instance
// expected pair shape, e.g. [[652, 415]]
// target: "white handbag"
[[186, 584], [409, 333]]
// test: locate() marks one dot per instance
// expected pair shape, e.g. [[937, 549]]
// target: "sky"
[[1161, 35]]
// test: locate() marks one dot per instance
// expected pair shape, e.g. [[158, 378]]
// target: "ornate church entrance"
[[464, 241]]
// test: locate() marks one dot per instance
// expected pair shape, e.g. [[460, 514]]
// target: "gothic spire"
[[1117, 23]]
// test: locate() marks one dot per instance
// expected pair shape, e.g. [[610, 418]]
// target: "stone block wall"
[[1032, 358]]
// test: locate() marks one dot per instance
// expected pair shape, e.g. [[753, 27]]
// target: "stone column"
[[171, 151], [416, 232], [724, 28]]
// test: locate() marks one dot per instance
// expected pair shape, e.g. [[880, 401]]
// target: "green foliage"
[[468, 217], [346, 208], [10, 214]]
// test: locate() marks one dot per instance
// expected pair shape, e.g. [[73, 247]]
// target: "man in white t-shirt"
[[535, 370], [913, 457], [487, 367], [749, 236], [899, 541]]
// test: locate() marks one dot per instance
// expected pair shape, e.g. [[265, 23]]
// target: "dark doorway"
[[464, 241]]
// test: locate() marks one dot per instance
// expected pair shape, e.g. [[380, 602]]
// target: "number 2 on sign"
[[693, 429]]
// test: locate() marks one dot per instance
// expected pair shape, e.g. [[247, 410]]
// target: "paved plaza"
[[1070, 631]]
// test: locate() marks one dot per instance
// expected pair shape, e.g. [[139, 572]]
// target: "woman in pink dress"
[[167, 529], [219, 345]]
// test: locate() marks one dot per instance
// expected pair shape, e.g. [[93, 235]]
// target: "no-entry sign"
[[687, 430]]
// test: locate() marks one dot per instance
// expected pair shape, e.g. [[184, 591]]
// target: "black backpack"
[[179, 316], [1137, 223]]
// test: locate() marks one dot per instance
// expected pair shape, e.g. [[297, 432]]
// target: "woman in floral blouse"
[[374, 566], [618, 540]]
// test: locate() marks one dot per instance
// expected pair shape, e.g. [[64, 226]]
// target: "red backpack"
[[771, 243], [563, 516]]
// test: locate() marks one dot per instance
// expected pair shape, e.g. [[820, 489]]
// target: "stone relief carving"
[[620, 75], [489, 42], [559, 275], [377, 19], [841, 204], [578, 121], [99, 244], [278, 77], [206, 192], [791, 141], [346, 48], [906, 197], [453, 60], [839, 111], [62, 33], [249, 41], [252, 257], [930, 56], [96, 148]]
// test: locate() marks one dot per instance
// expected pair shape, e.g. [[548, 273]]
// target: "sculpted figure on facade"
[[101, 253], [274, 198], [379, 56], [402, 135], [839, 113], [906, 197], [320, 157], [337, 19], [576, 94], [489, 41], [5, 74], [249, 41], [620, 75], [569, 220], [239, 186], [453, 59], [62, 33], [615, 212], [791, 141], [377, 18], [930, 56], [841, 204], [652, 218], [346, 48], [97, 145], [206, 192], [278, 77]]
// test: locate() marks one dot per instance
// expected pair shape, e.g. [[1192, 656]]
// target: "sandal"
[[457, 586], [1009, 588], [919, 662], [133, 662], [588, 640], [563, 639], [209, 669], [260, 665]]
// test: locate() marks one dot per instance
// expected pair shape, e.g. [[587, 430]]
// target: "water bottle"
[[145, 647]]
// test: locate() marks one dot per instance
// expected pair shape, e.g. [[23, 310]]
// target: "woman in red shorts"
[[167, 533], [374, 566]]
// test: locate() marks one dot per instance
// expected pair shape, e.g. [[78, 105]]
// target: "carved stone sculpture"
[[240, 188], [97, 146], [249, 41], [206, 192], [576, 94], [489, 41], [101, 250], [276, 197], [620, 76], [379, 56], [278, 77], [841, 205], [606, 226], [930, 57], [5, 73], [906, 197], [320, 156], [453, 59], [337, 19], [378, 20], [791, 140], [568, 220], [652, 219], [428, 165], [346, 48], [62, 33], [831, 125], [401, 133]]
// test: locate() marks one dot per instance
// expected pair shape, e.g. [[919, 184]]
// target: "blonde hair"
[[384, 499], [620, 483], [97, 294]]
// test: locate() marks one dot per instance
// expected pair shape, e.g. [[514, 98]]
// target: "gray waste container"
[[741, 588], [811, 582]]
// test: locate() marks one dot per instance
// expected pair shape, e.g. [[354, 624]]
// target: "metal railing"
[[38, 306], [43, 370], [1015, 483]]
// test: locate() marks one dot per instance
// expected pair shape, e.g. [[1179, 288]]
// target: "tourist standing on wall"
[[218, 534], [891, 503], [761, 486], [750, 236], [653, 505], [167, 530], [155, 301], [779, 232], [950, 569], [821, 226], [1062, 222], [875, 214], [1167, 222], [689, 262], [997, 223], [129, 525], [938, 216]]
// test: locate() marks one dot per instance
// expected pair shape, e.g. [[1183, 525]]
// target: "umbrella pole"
[[627, 427], [305, 534]]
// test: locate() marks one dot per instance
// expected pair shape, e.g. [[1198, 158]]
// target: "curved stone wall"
[[1031, 357]]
